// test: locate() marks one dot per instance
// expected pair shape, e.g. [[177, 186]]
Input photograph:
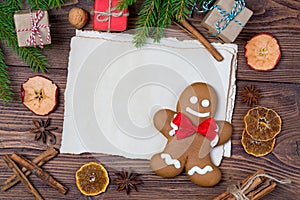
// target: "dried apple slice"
[[39, 95], [262, 52]]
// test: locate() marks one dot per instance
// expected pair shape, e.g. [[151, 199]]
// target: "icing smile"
[[197, 114]]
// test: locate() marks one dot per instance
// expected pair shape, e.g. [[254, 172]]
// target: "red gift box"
[[107, 17]]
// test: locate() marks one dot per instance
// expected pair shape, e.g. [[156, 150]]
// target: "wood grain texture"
[[279, 88]]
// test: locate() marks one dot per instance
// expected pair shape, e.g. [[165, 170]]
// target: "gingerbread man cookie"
[[192, 133]]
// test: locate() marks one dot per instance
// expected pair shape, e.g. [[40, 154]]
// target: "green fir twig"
[[156, 15], [5, 90], [44, 4], [147, 20], [164, 19], [123, 4], [31, 56]]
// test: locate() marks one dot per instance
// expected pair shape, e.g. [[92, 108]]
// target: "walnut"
[[78, 17]]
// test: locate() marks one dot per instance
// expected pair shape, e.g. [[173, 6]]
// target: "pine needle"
[[31, 56], [155, 16], [181, 9], [123, 4], [147, 20], [164, 19], [5, 90], [44, 4]]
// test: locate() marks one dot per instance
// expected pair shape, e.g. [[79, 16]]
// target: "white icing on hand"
[[170, 161], [174, 127], [199, 170], [197, 114], [215, 141]]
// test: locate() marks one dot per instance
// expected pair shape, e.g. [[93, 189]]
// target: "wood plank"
[[283, 162], [64, 166], [277, 17], [279, 89]]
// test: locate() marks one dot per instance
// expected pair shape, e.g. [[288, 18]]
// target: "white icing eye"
[[205, 103], [193, 100]]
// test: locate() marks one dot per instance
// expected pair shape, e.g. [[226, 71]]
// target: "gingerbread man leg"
[[202, 171], [171, 161], [166, 165]]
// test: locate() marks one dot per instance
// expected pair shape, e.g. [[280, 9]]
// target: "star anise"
[[250, 95], [42, 130], [127, 181]]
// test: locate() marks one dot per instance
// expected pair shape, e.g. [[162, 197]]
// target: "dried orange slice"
[[255, 147], [92, 179], [262, 52], [262, 123]]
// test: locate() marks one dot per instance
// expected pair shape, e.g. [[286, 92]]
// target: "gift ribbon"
[[108, 14], [35, 29], [238, 6]]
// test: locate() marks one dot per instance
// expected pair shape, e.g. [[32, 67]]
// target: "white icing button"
[[193, 100], [205, 103]]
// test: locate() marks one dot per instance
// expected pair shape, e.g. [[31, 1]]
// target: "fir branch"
[[10, 6], [156, 15], [5, 90], [44, 4], [29, 55], [181, 9], [147, 20], [167, 14], [164, 19], [55, 3], [157, 31], [123, 4]]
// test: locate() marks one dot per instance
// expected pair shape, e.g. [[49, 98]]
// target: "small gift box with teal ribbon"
[[226, 18]]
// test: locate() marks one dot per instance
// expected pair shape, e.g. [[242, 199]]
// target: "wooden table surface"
[[280, 89]]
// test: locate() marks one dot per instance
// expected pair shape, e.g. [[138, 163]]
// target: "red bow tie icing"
[[186, 128]]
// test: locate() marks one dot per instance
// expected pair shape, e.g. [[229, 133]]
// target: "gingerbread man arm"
[[162, 121], [225, 131]]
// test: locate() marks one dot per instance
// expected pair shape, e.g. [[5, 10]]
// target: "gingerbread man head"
[[191, 132], [198, 102]]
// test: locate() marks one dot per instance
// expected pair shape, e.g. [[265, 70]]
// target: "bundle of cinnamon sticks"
[[31, 167], [253, 187]]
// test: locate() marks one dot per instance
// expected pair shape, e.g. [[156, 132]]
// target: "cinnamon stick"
[[39, 161], [260, 186], [202, 39], [40, 173], [263, 190], [10, 163], [228, 196], [256, 182]]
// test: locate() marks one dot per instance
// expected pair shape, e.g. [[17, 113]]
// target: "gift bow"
[[186, 128], [108, 14], [238, 6], [35, 29]]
